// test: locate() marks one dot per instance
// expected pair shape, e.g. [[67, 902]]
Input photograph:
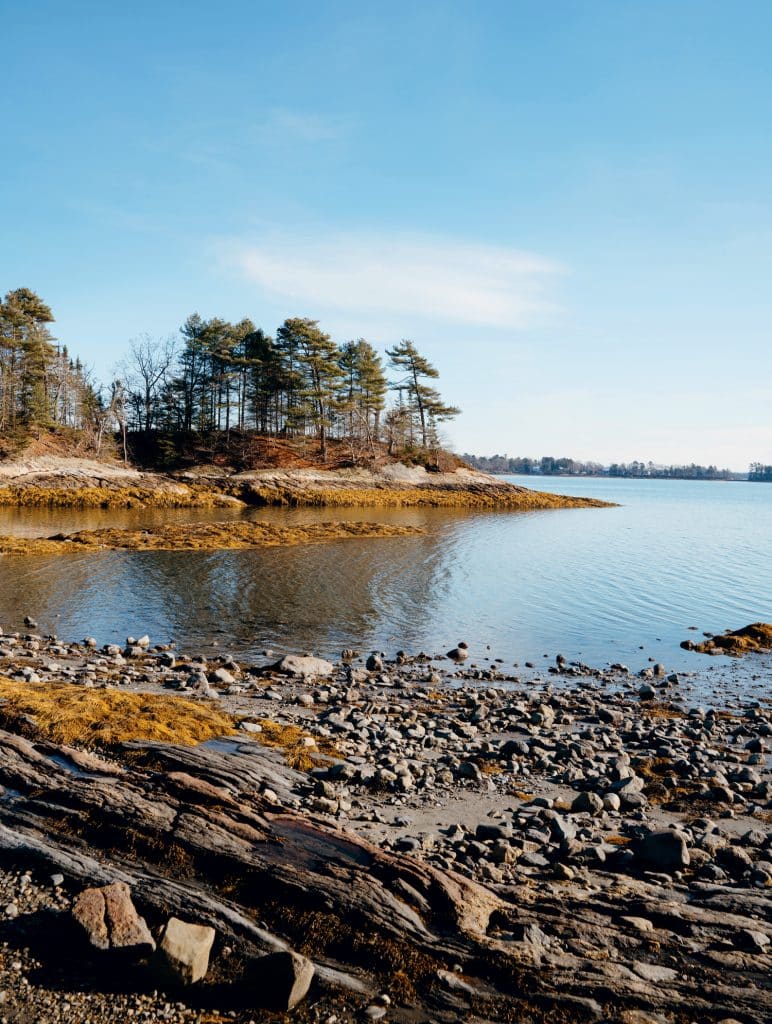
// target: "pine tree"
[[423, 400], [25, 318], [317, 357], [263, 383], [364, 390]]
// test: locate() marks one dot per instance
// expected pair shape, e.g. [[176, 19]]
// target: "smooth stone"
[[303, 667], [184, 950]]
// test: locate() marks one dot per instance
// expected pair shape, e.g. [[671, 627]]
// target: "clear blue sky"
[[566, 205]]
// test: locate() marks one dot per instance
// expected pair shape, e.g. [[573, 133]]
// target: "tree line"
[[550, 466], [221, 377], [760, 473]]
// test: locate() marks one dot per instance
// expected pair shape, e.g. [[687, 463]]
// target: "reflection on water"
[[593, 584]]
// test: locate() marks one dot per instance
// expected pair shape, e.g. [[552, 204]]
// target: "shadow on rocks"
[[69, 963]]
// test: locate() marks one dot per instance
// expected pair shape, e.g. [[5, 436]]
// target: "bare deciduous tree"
[[146, 371]]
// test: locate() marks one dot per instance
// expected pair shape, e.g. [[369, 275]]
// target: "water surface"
[[593, 584]]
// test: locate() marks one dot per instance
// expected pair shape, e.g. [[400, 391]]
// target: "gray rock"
[[303, 667], [734, 859], [562, 830], [752, 941], [654, 972], [663, 851], [490, 830], [458, 653], [590, 803], [640, 924], [625, 787]]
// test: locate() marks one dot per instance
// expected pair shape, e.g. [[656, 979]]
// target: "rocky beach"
[[409, 837]]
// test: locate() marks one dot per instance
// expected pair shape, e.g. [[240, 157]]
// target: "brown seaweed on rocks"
[[231, 535], [754, 638]]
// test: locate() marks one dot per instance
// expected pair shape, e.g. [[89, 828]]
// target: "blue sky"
[[565, 205]]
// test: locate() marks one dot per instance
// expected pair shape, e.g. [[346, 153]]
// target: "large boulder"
[[303, 667], [183, 951], [663, 851], [110, 920]]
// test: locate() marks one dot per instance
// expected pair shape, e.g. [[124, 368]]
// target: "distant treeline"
[[759, 473], [549, 466]]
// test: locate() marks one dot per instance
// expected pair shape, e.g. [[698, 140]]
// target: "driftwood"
[[193, 833]]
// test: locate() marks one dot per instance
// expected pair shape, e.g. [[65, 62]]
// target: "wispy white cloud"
[[436, 279], [281, 125]]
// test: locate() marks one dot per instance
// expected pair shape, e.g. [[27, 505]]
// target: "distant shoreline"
[[548, 465], [606, 476]]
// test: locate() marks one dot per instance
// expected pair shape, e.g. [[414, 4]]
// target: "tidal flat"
[[225, 536]]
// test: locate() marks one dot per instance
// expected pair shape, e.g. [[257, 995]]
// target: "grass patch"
[[69, 714], [200, 537]]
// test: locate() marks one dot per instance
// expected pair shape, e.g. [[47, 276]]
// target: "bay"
[[597, 585]]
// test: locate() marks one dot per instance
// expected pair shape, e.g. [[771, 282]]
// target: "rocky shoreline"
[[436, 838], [84, 483]]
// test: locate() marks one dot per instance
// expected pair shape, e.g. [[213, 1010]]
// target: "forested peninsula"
[[228, 412]]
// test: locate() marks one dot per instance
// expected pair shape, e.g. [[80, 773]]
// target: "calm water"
[[591, 584]]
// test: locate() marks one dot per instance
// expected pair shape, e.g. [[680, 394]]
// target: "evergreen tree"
[[364, 390], [263, 383], [423, 400], [188, 383], [317, 357], [25, 317]]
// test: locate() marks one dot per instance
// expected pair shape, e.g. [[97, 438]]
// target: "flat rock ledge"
[[383, 934]]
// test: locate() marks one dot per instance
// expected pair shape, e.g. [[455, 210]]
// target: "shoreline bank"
[[72, 483]]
